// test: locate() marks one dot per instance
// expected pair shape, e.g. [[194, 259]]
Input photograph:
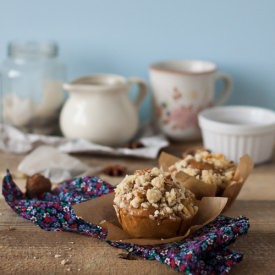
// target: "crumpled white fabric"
[[54, 165], [14, 141]]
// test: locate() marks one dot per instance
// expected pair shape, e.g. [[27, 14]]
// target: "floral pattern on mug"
[[181, 117], [176, 94]]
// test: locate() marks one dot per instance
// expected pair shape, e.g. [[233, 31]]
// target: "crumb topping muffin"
[[207, 167], [154, 192]]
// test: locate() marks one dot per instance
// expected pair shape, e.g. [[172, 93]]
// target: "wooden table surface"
[[27, 249]]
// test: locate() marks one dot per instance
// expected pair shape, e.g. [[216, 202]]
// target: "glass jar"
[[32, 93]]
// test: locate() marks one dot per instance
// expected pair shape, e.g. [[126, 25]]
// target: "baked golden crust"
[[150, 204]]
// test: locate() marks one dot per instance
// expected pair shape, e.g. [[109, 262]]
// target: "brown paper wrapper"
[[100, 211], [201, 189]]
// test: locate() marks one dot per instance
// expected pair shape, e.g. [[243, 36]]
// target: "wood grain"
[[27, 249]]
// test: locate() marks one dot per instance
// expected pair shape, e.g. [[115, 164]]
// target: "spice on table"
[[116, 170], [134, 145]]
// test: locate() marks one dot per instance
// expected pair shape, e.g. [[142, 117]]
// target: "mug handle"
[[227, 88], [142, 89]]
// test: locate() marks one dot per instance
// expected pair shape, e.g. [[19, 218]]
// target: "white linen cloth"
[[14, 141]]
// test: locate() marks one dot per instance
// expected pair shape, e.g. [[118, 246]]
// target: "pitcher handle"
[[227, 88], [142, 89]]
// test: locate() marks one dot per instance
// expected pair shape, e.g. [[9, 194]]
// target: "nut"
[[153, 195], [116, 170], [37, 184]]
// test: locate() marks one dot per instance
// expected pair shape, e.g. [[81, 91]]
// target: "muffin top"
[[207, 167], [156, 192]]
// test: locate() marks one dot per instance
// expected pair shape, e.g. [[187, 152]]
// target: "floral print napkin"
[[205, 252]]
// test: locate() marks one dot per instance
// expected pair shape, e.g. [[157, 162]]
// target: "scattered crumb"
[[1, 214], [78, 269], [69, 248], [34, 258], [64, 262], [57, 255], [71, 242], [68, 269]]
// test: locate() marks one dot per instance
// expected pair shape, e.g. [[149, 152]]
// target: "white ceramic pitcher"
[[99, 109]]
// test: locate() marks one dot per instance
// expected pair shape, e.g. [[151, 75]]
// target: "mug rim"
[[160, 67]]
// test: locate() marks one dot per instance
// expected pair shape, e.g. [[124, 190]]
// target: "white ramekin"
[[238, 130]]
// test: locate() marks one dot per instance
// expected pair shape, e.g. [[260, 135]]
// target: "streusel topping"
[[155, 191], [207, 167]]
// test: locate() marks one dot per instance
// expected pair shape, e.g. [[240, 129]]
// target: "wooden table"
[[26, 249]]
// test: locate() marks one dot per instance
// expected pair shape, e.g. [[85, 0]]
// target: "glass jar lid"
[[32, 49]]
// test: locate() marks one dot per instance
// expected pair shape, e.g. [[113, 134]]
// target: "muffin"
[[209, 168], [150, 204]]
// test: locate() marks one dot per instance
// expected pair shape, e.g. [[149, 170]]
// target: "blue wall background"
[[124, 37]]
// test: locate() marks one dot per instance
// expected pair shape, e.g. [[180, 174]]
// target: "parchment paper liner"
[[201, 189], [100, 211]]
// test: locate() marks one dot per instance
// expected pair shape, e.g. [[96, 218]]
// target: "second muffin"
[[209, 168]]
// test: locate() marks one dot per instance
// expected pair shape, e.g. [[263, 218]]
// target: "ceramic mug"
[[181, 90]]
